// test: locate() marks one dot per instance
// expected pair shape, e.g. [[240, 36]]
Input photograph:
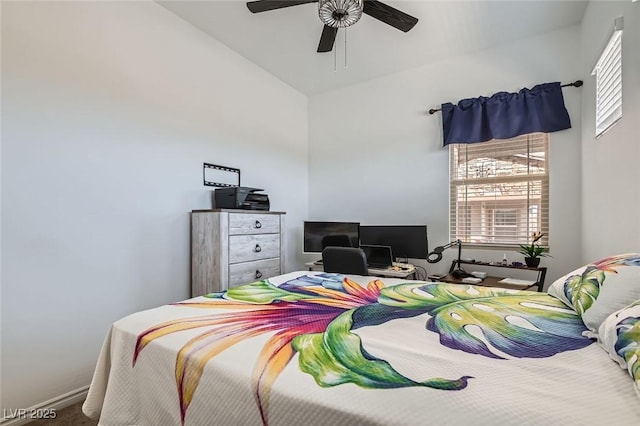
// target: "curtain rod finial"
[[578, 83], [433, 110]]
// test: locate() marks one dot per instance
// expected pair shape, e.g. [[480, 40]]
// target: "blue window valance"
[[505, 115]]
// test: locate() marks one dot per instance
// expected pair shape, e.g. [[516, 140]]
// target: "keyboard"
[[516, 281]]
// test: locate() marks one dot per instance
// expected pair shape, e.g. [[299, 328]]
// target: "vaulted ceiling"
[[284, 41]]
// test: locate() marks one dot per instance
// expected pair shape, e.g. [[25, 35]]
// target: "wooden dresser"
[[233, 247]]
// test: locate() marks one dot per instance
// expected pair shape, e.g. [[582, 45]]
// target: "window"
[[505, 223], [500, 190], [608, 72]]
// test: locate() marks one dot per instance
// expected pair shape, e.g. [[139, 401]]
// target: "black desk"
[[493, 281]]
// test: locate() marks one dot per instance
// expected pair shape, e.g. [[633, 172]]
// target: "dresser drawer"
[[246, 272], [245, 248], [244, 223]]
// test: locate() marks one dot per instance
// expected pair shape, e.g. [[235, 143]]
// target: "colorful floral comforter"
[[321, 349]]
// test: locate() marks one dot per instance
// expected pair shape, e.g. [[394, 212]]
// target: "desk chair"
[[336, 240], [345, 260]]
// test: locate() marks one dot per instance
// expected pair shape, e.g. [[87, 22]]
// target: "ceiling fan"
[[340, 14]]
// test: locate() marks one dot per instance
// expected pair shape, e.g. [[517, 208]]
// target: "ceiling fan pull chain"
[[335, 60], [345, 48]]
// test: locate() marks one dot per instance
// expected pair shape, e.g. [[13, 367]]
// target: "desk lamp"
[[436, 256]]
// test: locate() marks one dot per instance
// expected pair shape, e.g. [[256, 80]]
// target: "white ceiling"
[[284, 41]]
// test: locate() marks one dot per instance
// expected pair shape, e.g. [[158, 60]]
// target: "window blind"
[[608, 72], [500, 190]]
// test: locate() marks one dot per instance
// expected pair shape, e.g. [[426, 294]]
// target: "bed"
[[318, 349]]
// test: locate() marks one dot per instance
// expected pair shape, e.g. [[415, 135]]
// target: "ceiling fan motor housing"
[[340, 13]]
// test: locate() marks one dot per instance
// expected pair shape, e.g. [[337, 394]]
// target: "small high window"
[[608, 72]]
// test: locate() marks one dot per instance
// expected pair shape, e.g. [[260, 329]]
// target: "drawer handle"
[[258, 225], [258, 274], [257, 248]]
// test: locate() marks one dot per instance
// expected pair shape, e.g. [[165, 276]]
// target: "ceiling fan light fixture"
[[340, 13]]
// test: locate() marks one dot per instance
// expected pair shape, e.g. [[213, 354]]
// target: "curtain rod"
[[576, 83]]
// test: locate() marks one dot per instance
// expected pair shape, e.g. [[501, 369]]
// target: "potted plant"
[[533, 251]]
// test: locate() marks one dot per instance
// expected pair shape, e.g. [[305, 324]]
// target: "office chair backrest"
[[345, 260], [336, 240]]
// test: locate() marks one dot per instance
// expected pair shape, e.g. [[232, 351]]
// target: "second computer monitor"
[[318, 235], [408, 241]]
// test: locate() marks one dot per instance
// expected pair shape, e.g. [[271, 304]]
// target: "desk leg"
[[541, 278]]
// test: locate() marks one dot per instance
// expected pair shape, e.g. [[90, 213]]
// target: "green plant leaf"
[[525, 250], [522, 324], [337, 356], [259, 292], [628, 345], [533, 251], [522, 327], [582, 290]]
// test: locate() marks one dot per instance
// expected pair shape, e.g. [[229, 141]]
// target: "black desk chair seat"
[[345, 260]]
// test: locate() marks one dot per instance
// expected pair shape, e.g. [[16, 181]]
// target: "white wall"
[[108, 112], [610, 170], [375, 154]]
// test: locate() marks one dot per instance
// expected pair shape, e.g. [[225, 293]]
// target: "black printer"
[[240, 197]]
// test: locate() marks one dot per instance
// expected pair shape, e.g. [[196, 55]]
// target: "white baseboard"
[[57, 403]]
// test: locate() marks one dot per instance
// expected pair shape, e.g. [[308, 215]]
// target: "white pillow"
[[600, 288], [619, 335]]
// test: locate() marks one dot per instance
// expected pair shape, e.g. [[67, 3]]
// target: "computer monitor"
[[408, 241], [378, 256], [318, 235]]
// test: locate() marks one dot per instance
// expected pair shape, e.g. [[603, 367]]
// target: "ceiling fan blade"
[[327, 39], [265, 5], [389, 15]]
